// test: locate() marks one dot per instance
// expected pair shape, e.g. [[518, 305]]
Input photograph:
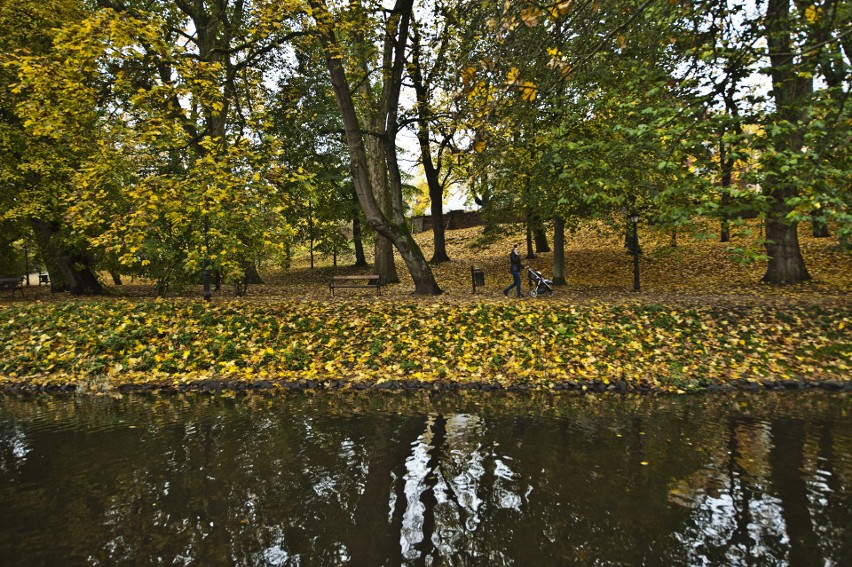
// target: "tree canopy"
[[168, 137]]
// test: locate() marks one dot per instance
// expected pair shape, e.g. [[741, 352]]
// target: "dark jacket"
[[514, 262]]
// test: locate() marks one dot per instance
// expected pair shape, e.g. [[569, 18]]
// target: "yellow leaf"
[[812, 14], [512, 76], [528, 91]]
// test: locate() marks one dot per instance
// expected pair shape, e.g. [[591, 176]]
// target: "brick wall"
[[453, 220]]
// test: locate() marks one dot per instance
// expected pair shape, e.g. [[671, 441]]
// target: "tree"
[[793, 132], [436, 121], [178, 181], [822, 169], [391, 227], [579, 115], [36, 169], [792, 86], [305, 115], [647, 78]]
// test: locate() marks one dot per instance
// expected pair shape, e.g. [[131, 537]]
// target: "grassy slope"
[[700, 320]]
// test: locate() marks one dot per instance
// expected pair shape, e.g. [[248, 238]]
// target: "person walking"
[[515, 269]]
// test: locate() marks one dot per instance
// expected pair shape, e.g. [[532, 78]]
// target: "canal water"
[[418, 479]]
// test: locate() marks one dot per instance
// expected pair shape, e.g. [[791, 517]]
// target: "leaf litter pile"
[[700, 322]]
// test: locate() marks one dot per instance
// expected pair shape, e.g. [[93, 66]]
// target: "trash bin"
[[477, 277]]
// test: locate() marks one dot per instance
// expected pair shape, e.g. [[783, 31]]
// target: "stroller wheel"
[[533, 293], [550, 293]]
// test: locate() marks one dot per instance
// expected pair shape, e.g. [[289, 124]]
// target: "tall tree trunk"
[[251, 274], [483, 200], [786, 265], [384, 264], [311, 233], [819, 228], [439, 232], [791, 89], [380, 170], [540, 240], [436, 201], [73, 266], [727, 167], [57, 280], [395, 43], [727, 157], [559, 251], [360, 259], [530, 252], [424, 280], [396, 39], [430, 170]]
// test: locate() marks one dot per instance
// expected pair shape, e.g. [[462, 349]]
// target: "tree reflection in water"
[[322, 479]]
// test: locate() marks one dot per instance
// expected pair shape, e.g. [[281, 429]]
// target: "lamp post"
[[634, 218]]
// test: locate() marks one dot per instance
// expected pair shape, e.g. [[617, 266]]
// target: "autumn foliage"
[[701, 322]]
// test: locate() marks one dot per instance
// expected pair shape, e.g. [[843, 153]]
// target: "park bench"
[[362, 282], [14, 283]]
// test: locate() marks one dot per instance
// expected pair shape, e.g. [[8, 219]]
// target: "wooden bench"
[[14, 283], [361, 282]]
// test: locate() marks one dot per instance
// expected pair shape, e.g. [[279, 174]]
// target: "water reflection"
[[427, 480]]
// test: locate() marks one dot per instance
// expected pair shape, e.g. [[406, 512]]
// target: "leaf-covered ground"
[[701, 321]]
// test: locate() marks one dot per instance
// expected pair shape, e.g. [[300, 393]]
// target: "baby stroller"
[[538, 284]]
